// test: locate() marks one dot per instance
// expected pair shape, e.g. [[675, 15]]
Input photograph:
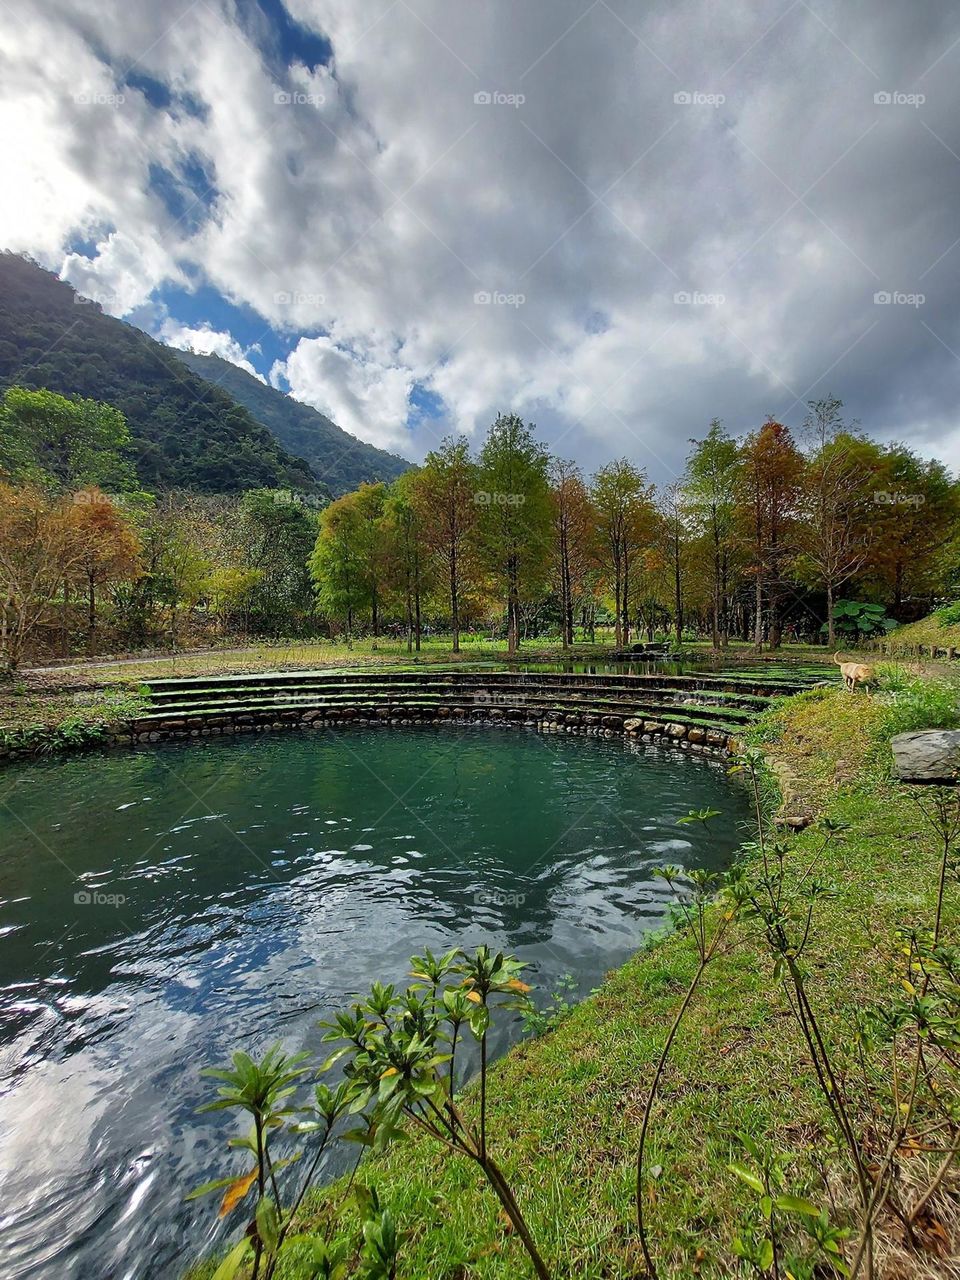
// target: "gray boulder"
[[932, 755]]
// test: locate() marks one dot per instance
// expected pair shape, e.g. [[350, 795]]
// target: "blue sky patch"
[[281, 40]]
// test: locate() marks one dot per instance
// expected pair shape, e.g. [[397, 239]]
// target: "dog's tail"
[[838, 658]]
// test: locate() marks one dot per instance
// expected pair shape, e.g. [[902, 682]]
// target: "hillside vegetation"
[[185, 432], [340, 461], [933, 631]]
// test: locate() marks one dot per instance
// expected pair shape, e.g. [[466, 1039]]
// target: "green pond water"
[[160, 908]]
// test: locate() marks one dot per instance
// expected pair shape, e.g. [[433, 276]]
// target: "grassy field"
[[566, 1107]]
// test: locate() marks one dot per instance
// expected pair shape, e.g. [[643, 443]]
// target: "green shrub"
[[46, 739], [912, 703]]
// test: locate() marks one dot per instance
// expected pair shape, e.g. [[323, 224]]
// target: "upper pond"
[[161, 908]]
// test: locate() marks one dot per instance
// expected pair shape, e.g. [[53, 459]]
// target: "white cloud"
[[368, 399], [123, 274], [375, 204], [206, 341]]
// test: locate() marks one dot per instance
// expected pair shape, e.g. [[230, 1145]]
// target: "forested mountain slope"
[[339, 459], [186, 433]]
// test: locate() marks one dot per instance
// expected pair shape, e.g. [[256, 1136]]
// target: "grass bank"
[[565, 1109], [932, 632]]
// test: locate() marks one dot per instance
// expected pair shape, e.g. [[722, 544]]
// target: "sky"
[[619, 219]]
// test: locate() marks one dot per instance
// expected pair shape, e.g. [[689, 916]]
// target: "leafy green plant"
[[948, 615], [43, 739], [397, 1051], [563, 999], [911, 703], [263, 1090], [770, 1248], [859, 619], [398, 1055], [906, 1050]]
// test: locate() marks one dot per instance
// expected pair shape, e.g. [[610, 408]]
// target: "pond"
[[161, 908]]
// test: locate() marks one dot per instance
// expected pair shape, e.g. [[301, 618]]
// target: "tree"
[[824, 422], [916, 510], [835, 532], [710, 486], [573, 544], [674, 541], [444, 501], [768, 484], [39, 551], [68, 444], [513, 497], [623, 502], [184, 572], [347, 564], [229, 590], [277, 533], [110, 548], [407, 571]]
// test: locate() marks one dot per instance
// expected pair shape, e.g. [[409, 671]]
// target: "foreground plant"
[[906, 1050], [765, 1247], [696, 891], [263, 1090], [398, 1052]]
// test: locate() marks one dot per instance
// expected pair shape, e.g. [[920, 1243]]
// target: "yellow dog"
[[854, 673]]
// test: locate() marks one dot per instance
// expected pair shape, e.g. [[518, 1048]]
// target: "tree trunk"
[[831, 630], [513, 607], [626, 602], [758, 614], [677, 599], [774, 630], [566, 603], [454, 600], [91, 611]]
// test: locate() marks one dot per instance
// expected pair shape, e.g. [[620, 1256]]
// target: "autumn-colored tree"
[[768, 487], [444, 500], [625, 515], [39, 551], [110, 548], [573, 546]]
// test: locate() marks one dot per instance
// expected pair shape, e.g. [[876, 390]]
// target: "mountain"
[[339, 459], [186, 433]]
